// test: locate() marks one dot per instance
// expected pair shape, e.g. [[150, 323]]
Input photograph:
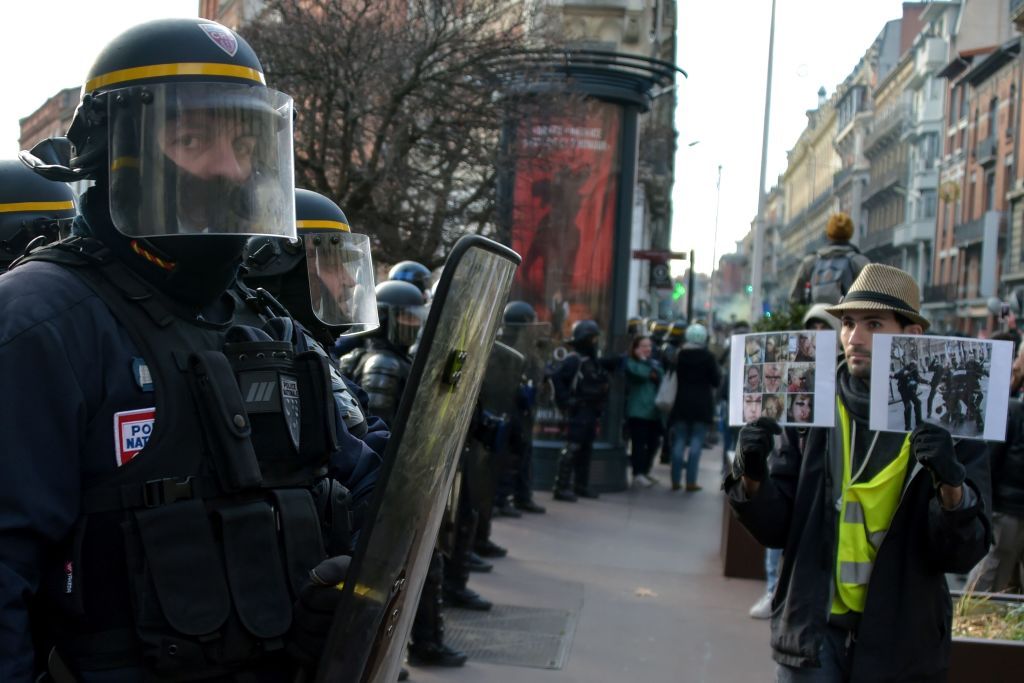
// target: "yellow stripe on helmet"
[[179, 69], [124, 162], [36, 206], [326, 225]]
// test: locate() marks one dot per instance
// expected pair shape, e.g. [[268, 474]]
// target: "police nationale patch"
[[132, 429], [221, 37], [140, 371]]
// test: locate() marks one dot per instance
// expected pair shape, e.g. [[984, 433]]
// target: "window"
[[1011, 106], [963, 101], [927, 204], [953, 94], [993, 106], [990, 190]]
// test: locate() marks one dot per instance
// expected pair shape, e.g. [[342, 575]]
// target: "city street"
[[640, 574]]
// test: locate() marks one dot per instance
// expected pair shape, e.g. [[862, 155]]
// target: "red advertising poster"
[[563, 214], [563, 211]]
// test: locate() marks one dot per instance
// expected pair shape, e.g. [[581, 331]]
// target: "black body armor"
[[188, 558]]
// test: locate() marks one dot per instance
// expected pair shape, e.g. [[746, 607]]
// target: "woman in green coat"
[[643, 375]]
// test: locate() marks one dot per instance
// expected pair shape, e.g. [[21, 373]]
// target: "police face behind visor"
[[161, 491]]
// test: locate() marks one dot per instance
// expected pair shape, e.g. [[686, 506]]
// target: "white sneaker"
[[642, 480], [762, 609], [651, 478]]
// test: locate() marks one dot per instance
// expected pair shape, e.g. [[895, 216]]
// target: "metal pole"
[[714, 255], [757, 253], [693, 293]]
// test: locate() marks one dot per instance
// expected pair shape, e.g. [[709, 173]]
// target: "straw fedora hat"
[[883, 288]]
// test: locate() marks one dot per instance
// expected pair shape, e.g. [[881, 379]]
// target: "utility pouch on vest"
[[258, 586], [269, 386], [319, 431], [226, 421], [334, 506], [302, 543]]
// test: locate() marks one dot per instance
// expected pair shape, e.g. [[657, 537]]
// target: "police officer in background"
[[165, 450], [33, 210], [382, 368], [581, 385], [522, 332], [413, 272]]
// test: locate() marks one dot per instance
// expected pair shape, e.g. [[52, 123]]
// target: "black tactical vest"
[[189, 557]]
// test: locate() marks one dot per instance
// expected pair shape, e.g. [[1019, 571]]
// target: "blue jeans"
[[692, 434], [771, 567], [835, 654]]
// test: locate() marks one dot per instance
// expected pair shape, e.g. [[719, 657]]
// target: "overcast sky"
[[47, 45], [724, 48]]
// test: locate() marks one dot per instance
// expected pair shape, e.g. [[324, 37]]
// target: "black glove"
[[654, 376], [932, 445], [314, 610], [755, 443]]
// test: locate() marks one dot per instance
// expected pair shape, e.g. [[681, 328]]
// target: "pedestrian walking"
[[870, 522], [694, 409], [643, 376], [825, 276]]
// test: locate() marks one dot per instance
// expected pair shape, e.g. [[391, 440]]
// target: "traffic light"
[[750, 289], [678, 291]]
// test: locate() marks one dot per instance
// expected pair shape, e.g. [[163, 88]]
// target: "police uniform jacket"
[[68, 369], [904, 631]]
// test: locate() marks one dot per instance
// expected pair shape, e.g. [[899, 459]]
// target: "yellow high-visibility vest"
[[865, 512]]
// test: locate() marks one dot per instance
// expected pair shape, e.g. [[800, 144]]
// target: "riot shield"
[[380, 593]]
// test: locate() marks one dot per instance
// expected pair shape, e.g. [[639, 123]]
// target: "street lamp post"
[[714, 253], [757, 253]]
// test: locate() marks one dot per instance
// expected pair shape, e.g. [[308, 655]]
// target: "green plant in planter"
[[979, 616]]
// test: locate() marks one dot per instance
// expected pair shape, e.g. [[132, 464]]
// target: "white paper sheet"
[[957, 383], [790, 376]]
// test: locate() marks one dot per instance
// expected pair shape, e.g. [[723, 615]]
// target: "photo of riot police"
[[948, 381]]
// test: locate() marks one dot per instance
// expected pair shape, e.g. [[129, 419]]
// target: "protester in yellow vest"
[[869, 522]]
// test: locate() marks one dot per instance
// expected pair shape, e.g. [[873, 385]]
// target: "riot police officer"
[[581, 387], [33, 210], [673, 342], [521, 330], [382, 368], [414, 272], [165, 453]]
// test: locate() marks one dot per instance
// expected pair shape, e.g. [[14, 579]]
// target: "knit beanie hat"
[[839, 228]]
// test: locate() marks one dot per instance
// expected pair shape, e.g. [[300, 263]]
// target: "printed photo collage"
[[778, 376]]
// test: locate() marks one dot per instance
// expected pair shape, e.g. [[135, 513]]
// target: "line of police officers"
[[186, 470]]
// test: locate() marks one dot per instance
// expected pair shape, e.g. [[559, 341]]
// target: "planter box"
[[992, 661]]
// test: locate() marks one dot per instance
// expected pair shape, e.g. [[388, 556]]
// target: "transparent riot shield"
[[380, 594]]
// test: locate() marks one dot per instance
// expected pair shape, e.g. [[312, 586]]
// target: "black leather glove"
[[932, 445], [314, 610], [755, 443]]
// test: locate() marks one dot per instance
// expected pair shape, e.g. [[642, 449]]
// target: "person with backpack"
[[826, 275], [581, 382]]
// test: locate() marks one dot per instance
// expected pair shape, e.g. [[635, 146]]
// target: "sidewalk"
[[641, 571]]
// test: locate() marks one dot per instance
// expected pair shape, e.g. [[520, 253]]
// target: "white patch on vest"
[[221, 37], [132, 429]]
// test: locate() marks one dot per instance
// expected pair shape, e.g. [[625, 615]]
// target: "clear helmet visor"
[[201, 158], [341, 290], [405, 323]]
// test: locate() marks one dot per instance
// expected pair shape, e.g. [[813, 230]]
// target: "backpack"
[[831, 279]]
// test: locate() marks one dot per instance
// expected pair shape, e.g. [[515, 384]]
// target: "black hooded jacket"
[[904, 631]]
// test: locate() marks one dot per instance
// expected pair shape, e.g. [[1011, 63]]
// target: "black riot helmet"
[[658, 329], [676, 332], [30, 207], [519, 313], [634, 326], [325, 277], [411, 271], [401, 311], [584, 333]]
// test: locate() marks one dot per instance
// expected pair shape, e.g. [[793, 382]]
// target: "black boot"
[[563, 478], [475, 563], [426, 646], [466, 598], [435, 654], [489, 548]]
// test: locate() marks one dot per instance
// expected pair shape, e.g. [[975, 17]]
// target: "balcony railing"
[[888, 123], [877, 238], [884, 179], [937, 294], [985, 151], [969, 233], [840, 176]]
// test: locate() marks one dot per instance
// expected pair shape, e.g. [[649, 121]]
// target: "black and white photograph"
[[959, 384], [767, 379]]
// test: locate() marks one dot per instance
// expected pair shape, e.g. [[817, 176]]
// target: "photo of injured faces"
[[790, 376]]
